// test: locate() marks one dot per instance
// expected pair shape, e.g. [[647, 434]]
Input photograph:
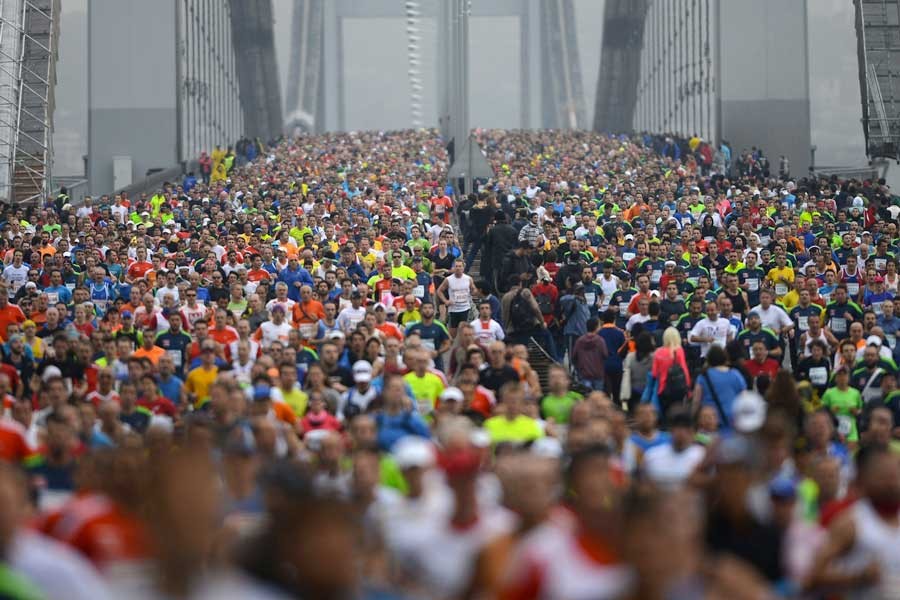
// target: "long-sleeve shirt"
[[290, 277]]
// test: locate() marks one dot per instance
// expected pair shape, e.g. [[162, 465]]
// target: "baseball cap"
[[50, 372], [379, 306], [413, 451], [362, 372], [31, 285], [452, 394], [749, 411], [261, 392], [547, 447], [629, 237], [873, 340], [126, 314], [335, 335], [782, 488], [735, 450]]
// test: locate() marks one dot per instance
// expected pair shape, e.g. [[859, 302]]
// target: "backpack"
[[676, 383], [545, 303], [520, 312]]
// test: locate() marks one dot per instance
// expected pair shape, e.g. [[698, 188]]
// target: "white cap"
[[161, 422], [453, 394], [413, 451], [873, 340], [547, 447], [334, 335], [749, 411], [362, 371], [50, 372]]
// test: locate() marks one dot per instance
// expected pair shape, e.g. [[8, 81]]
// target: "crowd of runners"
[[307, 371]]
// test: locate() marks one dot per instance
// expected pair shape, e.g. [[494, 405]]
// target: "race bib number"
[[428, 344], [70, 286], [459, 297], [693, 281], [308, 330], [803, 322], [53, 298], [845, 425], [424, 405], [623, 308], [753, 284], [175, 355], [891, 339], [354, 321], [628, 256], [818, 375], [655, 275], [781, 289], [880, 265], [590, 298], [839, 325], [853, 289], [876, 308], [419, 291]]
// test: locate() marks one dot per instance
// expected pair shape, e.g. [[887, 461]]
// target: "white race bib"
[[845, 425], [428, 344], [818, 375], [803, 322], [590, 298], [175, 355], [655, 275], [71, 286], [839, 325], [419, 291], [781, 289], [459, 297], [753, 284], [628, 256], [891, 339], [308, 330], [880, 265], [853, 289], [623, 308], [52, 298]]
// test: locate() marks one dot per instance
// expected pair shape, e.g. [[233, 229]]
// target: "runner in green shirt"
[[558, 402], [845, 403]]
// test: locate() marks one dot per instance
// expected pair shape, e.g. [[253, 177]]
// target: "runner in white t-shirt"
[[456, 292], [487, 329], [711, 330]]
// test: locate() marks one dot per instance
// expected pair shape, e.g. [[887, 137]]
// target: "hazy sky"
[[377, 85]]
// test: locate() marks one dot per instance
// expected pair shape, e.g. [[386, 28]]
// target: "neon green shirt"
[[843, 403], [425, 389], [558, 408], [520, 429]]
